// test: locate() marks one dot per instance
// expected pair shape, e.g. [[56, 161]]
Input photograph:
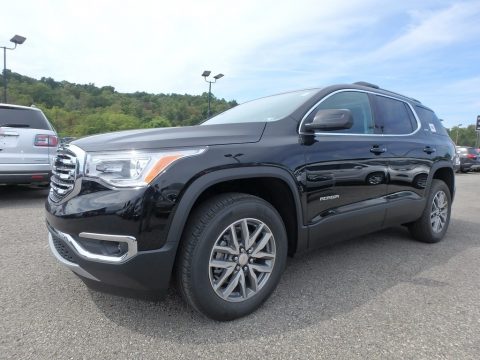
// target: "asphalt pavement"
[[381, 296]]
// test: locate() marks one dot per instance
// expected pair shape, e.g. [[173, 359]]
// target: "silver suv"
[[28, 145]]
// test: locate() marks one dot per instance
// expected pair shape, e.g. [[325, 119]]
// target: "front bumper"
[[143, 274]]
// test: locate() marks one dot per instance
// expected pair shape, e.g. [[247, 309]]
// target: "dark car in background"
[[468, 158], [28, 144], [219, 206]]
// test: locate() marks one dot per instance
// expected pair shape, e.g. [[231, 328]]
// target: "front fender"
[[198, 186]]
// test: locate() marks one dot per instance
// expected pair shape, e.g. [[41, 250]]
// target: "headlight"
[[132, 168]]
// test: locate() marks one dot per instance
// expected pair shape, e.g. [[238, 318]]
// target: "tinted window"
[[18, 117], [392, 116], [358, 104], [428, 117], [412, 118], [270, 108]]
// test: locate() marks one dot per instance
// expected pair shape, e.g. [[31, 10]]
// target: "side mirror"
[[331, 119]]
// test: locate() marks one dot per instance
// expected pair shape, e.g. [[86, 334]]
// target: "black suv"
[[221, 205]]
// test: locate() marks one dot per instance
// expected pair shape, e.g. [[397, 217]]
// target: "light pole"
[[17, 40], [458, 129], [206, 74]]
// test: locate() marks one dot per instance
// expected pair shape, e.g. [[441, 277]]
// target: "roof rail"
[[406, 97], [367, 84]]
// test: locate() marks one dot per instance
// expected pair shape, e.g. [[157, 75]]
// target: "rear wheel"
[[233, 253], [433, 224]]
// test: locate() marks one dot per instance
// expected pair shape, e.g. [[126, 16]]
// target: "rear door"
[[25, 136], [409, 153]]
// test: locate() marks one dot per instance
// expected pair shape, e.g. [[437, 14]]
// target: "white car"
[[28, 145]]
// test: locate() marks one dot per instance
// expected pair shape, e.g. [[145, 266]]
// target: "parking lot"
[[381, 296]]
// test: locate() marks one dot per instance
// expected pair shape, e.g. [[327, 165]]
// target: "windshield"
[[266, 109]]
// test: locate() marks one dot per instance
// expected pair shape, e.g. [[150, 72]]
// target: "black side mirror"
[[331, 119]]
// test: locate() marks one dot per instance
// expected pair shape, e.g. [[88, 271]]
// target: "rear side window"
[[430, 120], [359, 105], [23, 118], [393, 116]]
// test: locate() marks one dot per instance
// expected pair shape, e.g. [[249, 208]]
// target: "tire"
[[425, 229], [208, 240]]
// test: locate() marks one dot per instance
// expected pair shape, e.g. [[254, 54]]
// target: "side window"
[[428, 117], [358, 103], [392, 116], [412, 118]]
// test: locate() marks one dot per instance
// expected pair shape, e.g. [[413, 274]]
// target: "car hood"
[[199, 135]]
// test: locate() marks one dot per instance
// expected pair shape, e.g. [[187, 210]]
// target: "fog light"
[[102, 247]]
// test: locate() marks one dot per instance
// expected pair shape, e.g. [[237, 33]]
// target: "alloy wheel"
[[242, 260], [439, 211]]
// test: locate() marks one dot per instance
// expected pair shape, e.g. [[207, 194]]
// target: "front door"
[[345, 176]]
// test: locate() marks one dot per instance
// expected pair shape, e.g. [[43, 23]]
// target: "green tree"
[[157, 122], [467, 136]]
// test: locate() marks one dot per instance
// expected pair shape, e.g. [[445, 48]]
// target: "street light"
[[206, 74], [17, 40], [458, 129]]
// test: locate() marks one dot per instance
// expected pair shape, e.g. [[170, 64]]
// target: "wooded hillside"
[[78, 110]]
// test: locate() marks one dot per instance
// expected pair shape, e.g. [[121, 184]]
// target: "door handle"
[[378, 149], [428, 149]]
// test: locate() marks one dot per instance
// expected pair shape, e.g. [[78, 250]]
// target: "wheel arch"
[[444, 171], [261, 181]]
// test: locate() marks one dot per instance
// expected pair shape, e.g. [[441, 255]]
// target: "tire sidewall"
[[204, 295]]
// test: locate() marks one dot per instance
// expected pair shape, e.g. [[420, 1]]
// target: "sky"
[[429, 50]]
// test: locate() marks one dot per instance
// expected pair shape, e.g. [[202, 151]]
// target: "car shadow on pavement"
[[22, 195], [320, 285]]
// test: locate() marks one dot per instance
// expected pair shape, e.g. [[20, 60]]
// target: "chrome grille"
[[64, 172]]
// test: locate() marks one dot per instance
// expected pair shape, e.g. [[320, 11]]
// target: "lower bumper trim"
[[72, 266]]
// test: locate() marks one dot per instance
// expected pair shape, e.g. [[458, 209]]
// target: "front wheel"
[[433, 224], [233, 253]]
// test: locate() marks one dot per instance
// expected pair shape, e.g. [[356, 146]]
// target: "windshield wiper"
[[15, 125]]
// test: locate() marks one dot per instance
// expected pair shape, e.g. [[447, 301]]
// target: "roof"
[[12, 106]]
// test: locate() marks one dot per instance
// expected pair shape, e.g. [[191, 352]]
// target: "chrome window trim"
[[419, 124]]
